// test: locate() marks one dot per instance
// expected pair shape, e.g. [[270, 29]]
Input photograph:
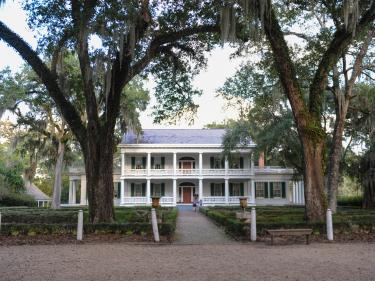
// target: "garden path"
[[195, 228]]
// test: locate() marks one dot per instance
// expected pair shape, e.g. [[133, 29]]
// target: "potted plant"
[[243, 203], [155, 201]]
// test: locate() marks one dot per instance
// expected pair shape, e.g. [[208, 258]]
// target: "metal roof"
[[176, 136]]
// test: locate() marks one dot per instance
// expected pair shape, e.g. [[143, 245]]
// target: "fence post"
[[329, 225], [80, 225], [253, 227], [154, 223], [0, 222]]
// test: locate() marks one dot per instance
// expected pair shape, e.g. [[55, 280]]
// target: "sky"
[[211, 107]]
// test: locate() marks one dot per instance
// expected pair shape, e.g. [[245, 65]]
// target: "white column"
[[329, 225], [148, 163], [83, 200], [302, 192], [148, 191], [253, 191], [123, 163], [294, 193], [200, 189], [70, 192], [252, 162], [297, 193], [174, 192], [74, 192], [226, 165], [200, 163], [122, 195], [174, 163], [226, 191]]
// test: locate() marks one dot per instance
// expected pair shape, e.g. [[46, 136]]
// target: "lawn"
[[23, 221], [348, 220]]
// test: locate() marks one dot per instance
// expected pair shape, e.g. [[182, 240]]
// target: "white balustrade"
[[136, 172], [161, 172], [213, 200], [166, 201], [236, 199], [135, 200], [188, 172]]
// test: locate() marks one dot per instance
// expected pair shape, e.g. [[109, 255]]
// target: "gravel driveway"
[[119, 261]]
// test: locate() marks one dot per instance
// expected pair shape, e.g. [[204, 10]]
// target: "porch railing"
[[188, 172], [134, 200]]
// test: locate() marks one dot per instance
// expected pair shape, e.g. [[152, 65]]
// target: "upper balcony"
[[187, 172]]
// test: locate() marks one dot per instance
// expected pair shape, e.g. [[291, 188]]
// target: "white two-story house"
[[178, 164]]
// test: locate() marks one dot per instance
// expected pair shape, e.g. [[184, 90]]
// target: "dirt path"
[[257, 261], [195, 228]]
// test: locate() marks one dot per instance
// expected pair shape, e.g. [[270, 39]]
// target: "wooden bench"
[[290, 232]]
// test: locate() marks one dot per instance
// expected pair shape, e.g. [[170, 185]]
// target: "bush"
[[16, 199], [350, 201]]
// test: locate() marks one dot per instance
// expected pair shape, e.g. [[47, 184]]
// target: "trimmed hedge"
[[17, 199], [289, 217], [34, 221], [351, 201]]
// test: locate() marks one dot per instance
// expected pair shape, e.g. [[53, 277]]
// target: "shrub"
[[352, 201], [16, 199]]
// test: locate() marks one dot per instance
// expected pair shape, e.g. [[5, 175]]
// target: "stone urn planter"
[[155, 202], [243, 202]]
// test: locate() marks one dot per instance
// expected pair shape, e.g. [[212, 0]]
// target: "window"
[[117, 189], [157, 162], [236, 163], [138, 190], [218, 163], [138, 163], [156, 191], [218, 189], [276, 189], [236, 189], [260, 190]]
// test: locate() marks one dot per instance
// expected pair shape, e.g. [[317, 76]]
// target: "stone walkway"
[[195, 228]]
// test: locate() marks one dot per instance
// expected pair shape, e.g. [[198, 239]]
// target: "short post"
[[329, 225], [80, 225], [0, 222], [253, 227], [154, 223]]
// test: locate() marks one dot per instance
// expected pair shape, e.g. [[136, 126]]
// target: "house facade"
[[179, 164]]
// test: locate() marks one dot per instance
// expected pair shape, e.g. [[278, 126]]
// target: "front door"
[[186, 195], [186, 165]]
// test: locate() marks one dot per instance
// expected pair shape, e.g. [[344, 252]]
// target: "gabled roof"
[[35, 192], [176, 136]]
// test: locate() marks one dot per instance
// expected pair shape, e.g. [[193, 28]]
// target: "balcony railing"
[[164, 201], [188, 172], [232, 200], [273, 170]]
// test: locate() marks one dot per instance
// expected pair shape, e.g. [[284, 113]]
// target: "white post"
[[253, 227], [200, 189], [0, 222], [174, 163], [148, 164], [252, 163], [74, 192], [200, 163], [303, 192], [155, 225], [174, 192], [297, 193], [122, 191], [148, 191], [252, 191], [83, 200], [70, 192], [123, 163], [294, 192], [329, 225], [80, 225], [226, 191], [226, 165]]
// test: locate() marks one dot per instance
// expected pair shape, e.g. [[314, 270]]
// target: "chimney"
[[261, 159]]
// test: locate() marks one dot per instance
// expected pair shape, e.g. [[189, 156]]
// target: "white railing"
[[236, 199], [213, 200], [213, 172], [239, 172], [136, 172], [273, 170], [166, 201], [188, 172], [161, 172], [134, 200]]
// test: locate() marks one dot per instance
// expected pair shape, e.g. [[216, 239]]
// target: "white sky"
[[211, 108]]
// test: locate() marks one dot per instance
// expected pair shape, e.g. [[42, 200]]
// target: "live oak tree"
[[125, 39], [349, 19]]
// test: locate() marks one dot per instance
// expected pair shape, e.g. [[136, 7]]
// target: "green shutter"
[[144, 160], [283, 190], [152, 189], [193, 164], [266, 190], [223, 189], [152, 162], [179, 165], [163, 189], [212, 189], [222, 163], [241, 162], [163, 162], [242, 193], [133, 162], [212, 162], [230, 189], [271, 189], [143, 189], [132, 190]]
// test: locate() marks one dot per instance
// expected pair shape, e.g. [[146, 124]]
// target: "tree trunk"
[[56, 197], [314, 179], [99, 174]]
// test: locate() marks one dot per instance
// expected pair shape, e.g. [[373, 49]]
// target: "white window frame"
[[218, 187], [263, 185], [156, 190], [236, 189], [138, 190], [277, 186]]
